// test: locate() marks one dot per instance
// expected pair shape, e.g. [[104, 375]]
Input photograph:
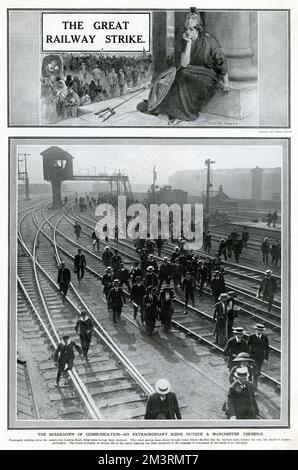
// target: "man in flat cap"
[[258, 348], [163, 403]]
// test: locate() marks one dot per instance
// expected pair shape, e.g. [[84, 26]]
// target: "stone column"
[[236, 32], [159, 42], [233, 31]]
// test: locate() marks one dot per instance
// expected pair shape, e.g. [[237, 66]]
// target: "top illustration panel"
[[157, 68]]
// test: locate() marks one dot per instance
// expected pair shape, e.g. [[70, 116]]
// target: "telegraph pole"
[[23, 173], [153, 184], [208, 163]]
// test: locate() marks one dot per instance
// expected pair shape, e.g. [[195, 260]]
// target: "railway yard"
[[124, 362]]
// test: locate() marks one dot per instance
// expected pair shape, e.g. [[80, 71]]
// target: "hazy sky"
[[138, 160]]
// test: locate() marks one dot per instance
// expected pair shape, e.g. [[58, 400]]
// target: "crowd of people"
[[86, 79], [152, 288]]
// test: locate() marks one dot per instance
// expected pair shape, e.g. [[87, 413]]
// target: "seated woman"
[[181, 93]]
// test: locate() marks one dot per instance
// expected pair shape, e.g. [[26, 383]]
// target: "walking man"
[[80, 265], [267, 289], [163, 403], [63, 280], [265, 248], [77, 229], [107, 281], [166, 299], [188, 286], [258, 348], [245, 237], [151, 305], [137, 294], [84, 328], [107, 256], [235, 346], [116, 300], [64, 357]]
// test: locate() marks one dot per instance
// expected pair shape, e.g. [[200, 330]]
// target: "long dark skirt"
[[220, 332], [192, 88]]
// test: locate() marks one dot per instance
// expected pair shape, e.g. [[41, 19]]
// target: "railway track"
[[237, 277], [109, 381], [199, 324], [197, 349]]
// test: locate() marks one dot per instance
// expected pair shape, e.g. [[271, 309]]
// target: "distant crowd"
[[91, 79]]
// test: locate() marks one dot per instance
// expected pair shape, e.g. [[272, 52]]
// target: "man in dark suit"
[[63, 280], [80, 264], [84, 328], [107, 281], [116, 261], [64, 357], [151, 306], [163, 404], [123, 275], [150, 277], [152, 262], [137, 294], [165, 272], [258, 348], [116, 299], [107, 256], [267, 289], [235, 346]]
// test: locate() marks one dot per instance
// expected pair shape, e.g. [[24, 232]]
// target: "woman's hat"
[[162, 386], [241, 373], [243, 357]]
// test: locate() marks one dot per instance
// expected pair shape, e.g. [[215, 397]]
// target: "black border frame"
[[287, 243]]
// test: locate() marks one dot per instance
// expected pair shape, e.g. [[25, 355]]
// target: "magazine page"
[[148, 201]]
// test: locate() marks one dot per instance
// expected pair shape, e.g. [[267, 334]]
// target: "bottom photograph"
[[148, 283]]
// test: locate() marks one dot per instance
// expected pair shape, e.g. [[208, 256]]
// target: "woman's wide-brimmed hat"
[[243, 357]]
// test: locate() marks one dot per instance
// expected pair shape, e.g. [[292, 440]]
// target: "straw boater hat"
[[223, 296], [241, 373], [238, 330], [268, 271], [243, 357], [108, 268], [162, 386], [150, 268], [259, 326]]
